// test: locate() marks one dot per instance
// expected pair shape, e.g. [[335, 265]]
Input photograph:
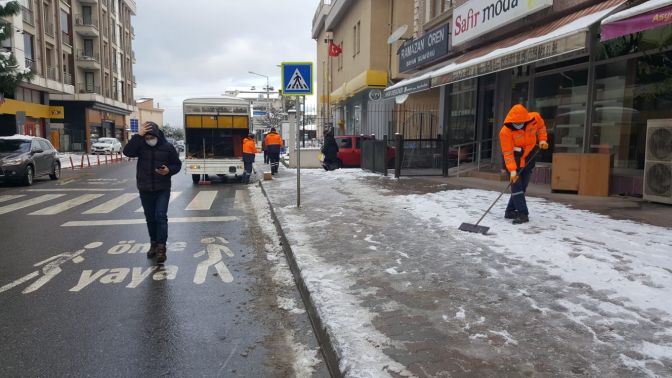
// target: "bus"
[[214, 128]]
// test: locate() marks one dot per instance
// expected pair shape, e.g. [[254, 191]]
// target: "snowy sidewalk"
[[402, 292], [68, 160]]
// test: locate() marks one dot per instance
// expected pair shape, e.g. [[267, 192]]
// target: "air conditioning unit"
[[658, 162]]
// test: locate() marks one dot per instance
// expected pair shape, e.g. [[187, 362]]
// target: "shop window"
[[561, 100], [463, 112], [653, 39], [627, 94]]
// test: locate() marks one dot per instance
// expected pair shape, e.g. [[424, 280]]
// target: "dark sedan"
[[22, 158]]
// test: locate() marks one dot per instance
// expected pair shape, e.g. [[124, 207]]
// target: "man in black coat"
[[330, 151], [157, 162]]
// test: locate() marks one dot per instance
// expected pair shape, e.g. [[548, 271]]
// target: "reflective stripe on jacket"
[[524, 139]]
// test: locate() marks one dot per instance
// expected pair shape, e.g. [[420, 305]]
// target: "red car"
[[350, 151]]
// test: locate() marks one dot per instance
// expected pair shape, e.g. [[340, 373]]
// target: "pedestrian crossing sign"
[[297, 78]]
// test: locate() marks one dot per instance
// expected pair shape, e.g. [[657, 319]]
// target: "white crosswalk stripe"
[[173, 195], [203, 200], [61, 207], [113, 204], [33, 201], [9, 197]]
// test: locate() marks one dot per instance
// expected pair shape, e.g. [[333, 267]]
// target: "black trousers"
[[275, 161]]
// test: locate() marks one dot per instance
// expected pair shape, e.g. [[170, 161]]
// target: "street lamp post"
[[268, 95]]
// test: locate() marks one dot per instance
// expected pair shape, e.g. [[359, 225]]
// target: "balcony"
[[51, 73], [49, 30], [28, 15], [88, 88], [86, 26], [31, 65], [66, 39], [67, 78], [88, 60], [88, 2]]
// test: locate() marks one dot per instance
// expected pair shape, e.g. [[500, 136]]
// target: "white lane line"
[[67, 205], [203, 200], [10, 197], [73, 190], [117, 222], [112, 204], [30, 202], [173, 195], [238, 200]]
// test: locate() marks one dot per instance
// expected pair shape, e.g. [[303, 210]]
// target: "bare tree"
[[271, 119]]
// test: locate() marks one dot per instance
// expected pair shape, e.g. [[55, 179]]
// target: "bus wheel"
[[195, 178]]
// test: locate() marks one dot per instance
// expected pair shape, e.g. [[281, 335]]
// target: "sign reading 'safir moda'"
[[477, 17], [426, 49]]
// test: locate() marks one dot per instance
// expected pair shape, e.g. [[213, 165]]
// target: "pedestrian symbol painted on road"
[[297, 81], [297, 78]]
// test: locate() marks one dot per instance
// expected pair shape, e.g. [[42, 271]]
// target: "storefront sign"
[[532, 54], [426, 49], [56, 112], [477, 17], [649, 20], [418, 86]]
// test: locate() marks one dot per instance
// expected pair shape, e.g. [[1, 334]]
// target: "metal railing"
[[67, 78], [49, 30], [51, 73], [474, 153], [32, 65], [87, 88], [65, 37], [88, 56], [28, 15], [86, 21]]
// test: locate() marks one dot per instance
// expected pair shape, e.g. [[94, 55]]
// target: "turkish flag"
[[334, 49]]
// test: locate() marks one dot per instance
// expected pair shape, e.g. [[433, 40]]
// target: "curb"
[[331, 357]]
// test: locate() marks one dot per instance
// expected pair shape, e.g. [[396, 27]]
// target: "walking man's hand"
[[163, 170], [144, 128]]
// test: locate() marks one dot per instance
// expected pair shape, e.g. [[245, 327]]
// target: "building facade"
[[101, 65], [38, 46], [596, 92], [350, 84], [147, 112]]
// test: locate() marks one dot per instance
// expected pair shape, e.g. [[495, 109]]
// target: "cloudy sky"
[[204, 47]]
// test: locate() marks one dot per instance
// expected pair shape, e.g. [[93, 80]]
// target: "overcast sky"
[[203, 47]]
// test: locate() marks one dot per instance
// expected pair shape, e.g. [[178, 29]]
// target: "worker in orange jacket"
[[273, 146], [249, 153], [521, 133]]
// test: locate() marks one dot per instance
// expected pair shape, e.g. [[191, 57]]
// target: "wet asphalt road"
[[83, 300]]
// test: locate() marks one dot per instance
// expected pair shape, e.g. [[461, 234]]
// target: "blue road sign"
[[134, 125], [297, 78]]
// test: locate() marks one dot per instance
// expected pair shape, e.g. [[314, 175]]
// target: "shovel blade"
[[468, 227]]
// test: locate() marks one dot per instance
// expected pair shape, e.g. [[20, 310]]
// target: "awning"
[[365, 80], [565, 35], [652, 14]]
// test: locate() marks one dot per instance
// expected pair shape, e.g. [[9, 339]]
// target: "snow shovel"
[[475, 228]]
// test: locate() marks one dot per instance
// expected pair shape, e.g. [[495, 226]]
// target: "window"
[[45, 145], [436, 7], [88, 47], [356, 35], [344, 143], [65, 22], [87, 15], [28, 46], [89, 82]]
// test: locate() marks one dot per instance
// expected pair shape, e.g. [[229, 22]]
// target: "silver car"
[[106, 146]]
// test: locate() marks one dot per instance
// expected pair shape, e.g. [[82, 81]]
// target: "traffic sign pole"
[[298, 151]]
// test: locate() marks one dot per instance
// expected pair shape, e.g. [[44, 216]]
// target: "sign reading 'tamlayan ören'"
[[477, 17]]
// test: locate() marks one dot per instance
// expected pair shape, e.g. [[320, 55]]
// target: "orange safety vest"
[[273, 138], [524, 139], [249, 146]]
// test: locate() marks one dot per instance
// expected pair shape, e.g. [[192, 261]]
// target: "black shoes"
[[521, 218], [152, 251], [511, 214], [161, 253]]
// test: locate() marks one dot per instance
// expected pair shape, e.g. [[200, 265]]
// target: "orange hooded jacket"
[[273, 138], [524, 139], [249, 146]]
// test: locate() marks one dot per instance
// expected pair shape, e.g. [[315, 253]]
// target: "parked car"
[[22, 158], [106, 146], [350, 151]]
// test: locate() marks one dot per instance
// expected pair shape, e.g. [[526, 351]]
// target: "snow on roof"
[[216, 100], [639, 9], [18, 137]]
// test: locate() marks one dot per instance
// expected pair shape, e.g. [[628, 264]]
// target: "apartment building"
[[38, 45], [148, 112], [350, 82], [100, 62]]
